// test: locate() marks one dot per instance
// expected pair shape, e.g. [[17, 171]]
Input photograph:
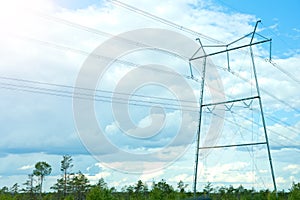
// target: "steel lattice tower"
[[256, 97]]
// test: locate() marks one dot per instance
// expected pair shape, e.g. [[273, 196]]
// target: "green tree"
[[128, 191], [4, 190], [208, 188], [41, 170], [102, 184], [101, 191], [6, 197], [222, 192], [140, 187], [140, 190], [181, 186], [15, 188], [240, 191], [66, 165], [29, 186], [162, 191], [96, 193], [80, 185], [59, 188], [295, 192]]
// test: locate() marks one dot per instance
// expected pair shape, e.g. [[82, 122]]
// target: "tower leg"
[[263, 120], [199, 127]]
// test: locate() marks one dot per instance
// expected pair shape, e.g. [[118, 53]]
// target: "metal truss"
[[228, 48]]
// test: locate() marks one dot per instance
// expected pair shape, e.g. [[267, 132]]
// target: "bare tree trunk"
[[41, 186]]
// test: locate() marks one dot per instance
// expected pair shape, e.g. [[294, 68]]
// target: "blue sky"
[[277, 13], [39, 45]]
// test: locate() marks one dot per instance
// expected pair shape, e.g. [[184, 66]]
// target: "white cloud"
[[292, 168], [96, 177], [280, 180], [36, 116], [182, 177], [25, 167], [150, 176]]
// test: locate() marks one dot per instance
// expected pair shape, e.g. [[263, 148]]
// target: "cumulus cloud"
[[31, 48]]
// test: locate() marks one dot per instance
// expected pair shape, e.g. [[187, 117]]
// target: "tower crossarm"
[[230, 101]]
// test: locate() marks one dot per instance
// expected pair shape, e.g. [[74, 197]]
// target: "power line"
[[271, 117], [280, 38], [103, 91], [106, 34], [162, 20], [95, 99], [287, 73], [94, 90], [270, 130], [265, 91], [60, 93], [251, 153], [145, 96], [134, 64], [107, 99], [101, 98], [166, 22], [65, 48], [102, 33], [85, 53], [279, 121], [247, 129]]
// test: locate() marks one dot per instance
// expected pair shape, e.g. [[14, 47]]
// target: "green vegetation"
[[76, 186], [41, 170]]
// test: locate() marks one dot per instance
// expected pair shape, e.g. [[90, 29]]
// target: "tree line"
[[76, 186]]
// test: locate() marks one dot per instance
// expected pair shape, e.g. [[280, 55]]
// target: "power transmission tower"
[[257, 97]]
